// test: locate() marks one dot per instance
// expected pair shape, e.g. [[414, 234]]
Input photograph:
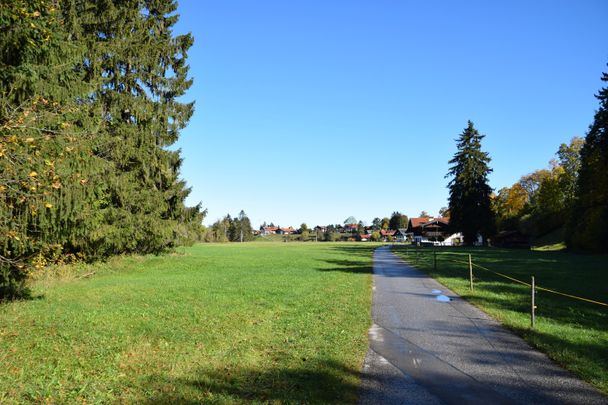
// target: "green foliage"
[[588, 224], [228, 229], [88, 108], [332, 236], [398, 220], [540, 202], [350, 220], [46, 132], [304, 232], [385, 223], [376, 223], [469, 200]]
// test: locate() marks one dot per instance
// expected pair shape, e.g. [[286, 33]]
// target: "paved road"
[[427, 345]]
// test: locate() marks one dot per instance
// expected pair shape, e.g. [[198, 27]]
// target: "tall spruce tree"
[[47, 126], [588, 224], [143, 70], [469, 200], [88, 110]]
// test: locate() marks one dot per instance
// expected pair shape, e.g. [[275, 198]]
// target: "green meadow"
[[271, 322], [572, 332]]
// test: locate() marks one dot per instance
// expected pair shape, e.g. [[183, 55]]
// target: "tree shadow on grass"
[[358, 263], [361, 249], [328, 382], [346, 266]]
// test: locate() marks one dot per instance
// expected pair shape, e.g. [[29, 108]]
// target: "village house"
[[402, 235], [268, 230], [350, 228], [387, 234], [429, 228], [364, 237], [285, 231]]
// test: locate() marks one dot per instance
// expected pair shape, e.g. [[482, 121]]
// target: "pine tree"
[[88, 110], [469, 200], [588, 224], [398, 220], [47, 127], [143, 70]]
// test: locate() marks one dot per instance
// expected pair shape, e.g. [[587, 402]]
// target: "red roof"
[[388, 232], [416, 222]]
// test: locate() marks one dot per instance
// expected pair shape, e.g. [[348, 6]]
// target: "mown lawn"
[[272, 322], [572, 332]]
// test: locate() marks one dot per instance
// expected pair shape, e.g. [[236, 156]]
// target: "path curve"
[[427, 345]]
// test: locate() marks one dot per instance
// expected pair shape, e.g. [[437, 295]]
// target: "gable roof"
[[416, 222]]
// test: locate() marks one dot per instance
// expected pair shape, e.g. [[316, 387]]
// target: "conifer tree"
[[398, 220], [469, 200], [46, 129], [143, 70], [588, 225], [88, 110]]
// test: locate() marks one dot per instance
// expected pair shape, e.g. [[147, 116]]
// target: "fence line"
[[519, 281]]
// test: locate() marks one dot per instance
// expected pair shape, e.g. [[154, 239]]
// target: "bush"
[[12, 283]]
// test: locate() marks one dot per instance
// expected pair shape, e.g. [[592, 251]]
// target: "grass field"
[[265, 322], [572, 332]]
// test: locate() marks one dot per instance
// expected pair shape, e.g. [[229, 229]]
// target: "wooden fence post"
[[470, 272], [533, 306]]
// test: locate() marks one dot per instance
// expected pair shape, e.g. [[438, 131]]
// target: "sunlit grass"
[[572, 332], [215, 324]]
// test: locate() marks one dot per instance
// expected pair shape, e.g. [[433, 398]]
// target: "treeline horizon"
[[570, 196]]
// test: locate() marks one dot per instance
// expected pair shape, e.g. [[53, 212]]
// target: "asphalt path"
[[429, 346]]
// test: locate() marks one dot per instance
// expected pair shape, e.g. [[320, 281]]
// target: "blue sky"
[[312, 111]]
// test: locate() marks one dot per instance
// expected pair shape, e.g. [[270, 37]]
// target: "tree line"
[[88, 110], [571, 195], [229, 229]]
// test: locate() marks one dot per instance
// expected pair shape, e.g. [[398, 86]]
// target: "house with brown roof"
[[286, 231], [364, 237], [269, 230], [429, 228], [387, 234]]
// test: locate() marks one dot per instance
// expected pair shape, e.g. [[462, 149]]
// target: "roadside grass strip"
[[571, 316], [220, 324]]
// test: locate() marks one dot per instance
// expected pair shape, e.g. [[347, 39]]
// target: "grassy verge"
[[573, 333], [215, 324]]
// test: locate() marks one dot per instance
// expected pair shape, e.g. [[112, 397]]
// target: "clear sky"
[[315, 110]]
